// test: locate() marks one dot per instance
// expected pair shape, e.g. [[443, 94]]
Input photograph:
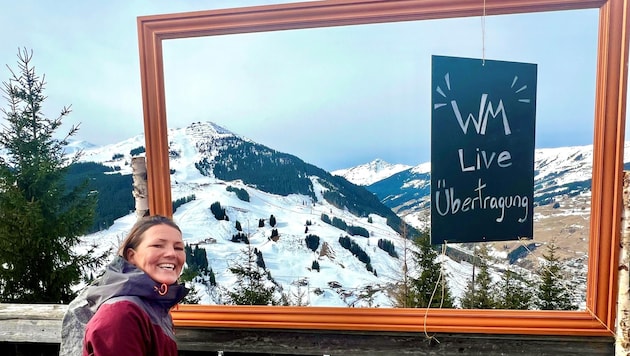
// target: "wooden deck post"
[[140, 189], [622, 340]]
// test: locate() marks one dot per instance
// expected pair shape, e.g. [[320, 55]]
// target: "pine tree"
[[553, 293], [253, 285], [189, 255], [193, 295], [400, 291], [212, 278], [41, 219], [315, 266], [514, 292], [200, 258], [478, 293], [430, 289]]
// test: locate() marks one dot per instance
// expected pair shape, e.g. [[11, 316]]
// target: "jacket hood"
[[121, 279]]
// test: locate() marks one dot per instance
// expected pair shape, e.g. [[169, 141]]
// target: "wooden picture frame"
[[609, 128]]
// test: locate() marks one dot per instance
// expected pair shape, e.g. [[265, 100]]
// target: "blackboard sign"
[[482, 150]]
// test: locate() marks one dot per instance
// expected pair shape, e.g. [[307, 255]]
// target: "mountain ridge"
[[371, 172]]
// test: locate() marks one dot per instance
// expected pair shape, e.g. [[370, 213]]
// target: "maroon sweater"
[[123, 328]]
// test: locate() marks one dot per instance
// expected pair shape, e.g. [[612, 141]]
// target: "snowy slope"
[[342, 277]]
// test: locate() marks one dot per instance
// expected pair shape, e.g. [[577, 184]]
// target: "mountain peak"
[[371, 172], [208, 128], [75, 145]]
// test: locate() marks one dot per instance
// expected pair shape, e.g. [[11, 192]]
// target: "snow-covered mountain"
[[210, 164], [371, 172], [204, 154], [74, 146], [562, 181], [558, 172]]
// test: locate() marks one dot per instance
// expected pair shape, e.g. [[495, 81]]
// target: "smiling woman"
[[610, 93], [126, 310]]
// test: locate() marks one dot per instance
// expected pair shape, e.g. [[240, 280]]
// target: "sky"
[[335, 97]]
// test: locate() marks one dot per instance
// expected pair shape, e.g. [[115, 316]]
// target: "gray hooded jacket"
[[121, 281]]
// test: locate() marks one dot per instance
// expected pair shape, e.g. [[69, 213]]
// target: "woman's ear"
[[129, 255]]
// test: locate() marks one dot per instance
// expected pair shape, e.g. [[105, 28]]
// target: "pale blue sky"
[[335, 97]]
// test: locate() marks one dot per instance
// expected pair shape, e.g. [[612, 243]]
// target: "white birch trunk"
[[622, 340], [140, 189]]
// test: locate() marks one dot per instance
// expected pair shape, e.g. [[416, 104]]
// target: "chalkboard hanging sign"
[[482, 150]]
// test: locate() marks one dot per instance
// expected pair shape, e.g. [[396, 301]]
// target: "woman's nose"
[[170, 251]]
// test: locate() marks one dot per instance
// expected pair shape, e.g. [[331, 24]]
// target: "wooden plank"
[[193, 341], [41, 324]]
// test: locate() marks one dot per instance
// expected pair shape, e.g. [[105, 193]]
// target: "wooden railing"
[[25, 326]]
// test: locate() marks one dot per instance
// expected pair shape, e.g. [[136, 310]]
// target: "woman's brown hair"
[[135, 236]]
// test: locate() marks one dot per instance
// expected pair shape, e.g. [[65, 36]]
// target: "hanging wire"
[[440, 282], [483, 34]]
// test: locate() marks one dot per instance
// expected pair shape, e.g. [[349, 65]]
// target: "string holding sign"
[[483, 35]]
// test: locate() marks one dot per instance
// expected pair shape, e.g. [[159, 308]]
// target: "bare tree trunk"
[[622, 342], [140, 190]]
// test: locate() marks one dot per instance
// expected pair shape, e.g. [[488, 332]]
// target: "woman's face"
[[160, 254]]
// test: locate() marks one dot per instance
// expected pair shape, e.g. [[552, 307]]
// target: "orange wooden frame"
[[610, 97]]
